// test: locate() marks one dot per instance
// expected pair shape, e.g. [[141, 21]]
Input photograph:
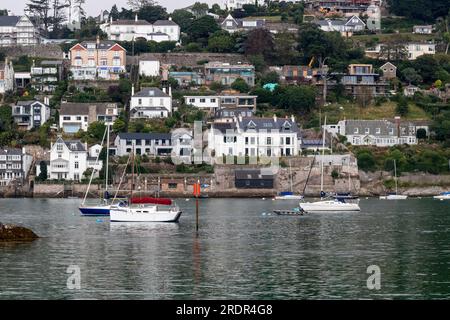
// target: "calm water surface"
[[242, 252]]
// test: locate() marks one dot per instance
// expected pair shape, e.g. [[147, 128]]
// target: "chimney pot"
[[132, 90], [274, 118]]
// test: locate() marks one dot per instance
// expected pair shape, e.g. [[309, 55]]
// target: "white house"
[[345, 27], [30, 114], [17, 31], [251, 136], [127, 30], [373, 13], [69, 160], [428, 29], [6, 76], [14, 165], [380, 133], [78, 116], [237, 4], [151, 103], [416, 50], [215, 102], [149, 68]]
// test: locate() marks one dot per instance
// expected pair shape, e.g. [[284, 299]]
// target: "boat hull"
[[289, 197], [144, 215], [443, 197], [329, 206], [395, 197], [95, 210]]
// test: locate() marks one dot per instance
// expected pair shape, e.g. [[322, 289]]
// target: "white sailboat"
[[155, 210], [289, 195], [334, 205], [395, 196], [99, 209]]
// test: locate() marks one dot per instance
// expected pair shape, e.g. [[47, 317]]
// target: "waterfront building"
[[69, 160], [30, 114], [46, 75], [17, 31], [151, 103], [224, 100], [226, 73], [380, 133], [78, 116], [6, 76], [178, 143], [101, 59], [14, 165], [253, 179], [129, 30], [252, 136]]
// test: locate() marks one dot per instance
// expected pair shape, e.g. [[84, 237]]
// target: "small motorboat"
[[287, 212], [443, 196], [394, 196]]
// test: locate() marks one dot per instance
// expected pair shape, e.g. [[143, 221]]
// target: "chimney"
[[274, 118], [47, 100], [170, 18], [98, 40], [293, 118], [136, 17], [170, 91], [111, 20], [132, 90], [164, 90], [240, 117], [397, 122]]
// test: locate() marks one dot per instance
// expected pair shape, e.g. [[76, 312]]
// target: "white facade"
[[255, 137], [374, 17], [149, 68], [203, 102], [69, 160], [14, 165], [78, 116], [73, 14], [380, 133], [416, 50], [6, 76], [237, 4], [17, 30], [151, 103], [127, 30]]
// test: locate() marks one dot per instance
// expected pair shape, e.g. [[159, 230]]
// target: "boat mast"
[[132, 171], [290, 176], [323, 155], [107, 158], [395, 173]]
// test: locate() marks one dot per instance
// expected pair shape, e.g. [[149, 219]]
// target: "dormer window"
[[391, 131], [59, 147], [73, 146], [367, 130], [378, 131], [355, 131]]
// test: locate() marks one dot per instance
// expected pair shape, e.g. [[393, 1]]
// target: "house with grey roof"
[[345, 27], [129, 30], [380, 133], [253, 137], [30, 114], [232, 25], [151, 102], [15, 165], [69, 160], [17, 31], [74, 116]]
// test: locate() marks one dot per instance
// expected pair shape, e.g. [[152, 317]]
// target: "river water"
[[242, 252]]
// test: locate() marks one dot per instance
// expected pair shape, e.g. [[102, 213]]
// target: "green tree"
[[199, 9], [425, 10], [411, 76], [402, 106], [153, 13], [221, 41], [200, 29], [260, 42], [240, 85], [119, 126], [296, 98], [95, 131], [43, 168], [183, 18], [366, 161]]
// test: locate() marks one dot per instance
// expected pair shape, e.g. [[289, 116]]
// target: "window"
[[355, 131], [367, 131], [79, 118], [59, 147], [378, 131], [172, 185], [288, 140], [269, 140], [391, 131], [77, 165], [202, 100], [66, 118], [140, 101]]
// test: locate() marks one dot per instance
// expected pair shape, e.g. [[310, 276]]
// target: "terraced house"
[[101, 59], [14, 165], [380, 133]]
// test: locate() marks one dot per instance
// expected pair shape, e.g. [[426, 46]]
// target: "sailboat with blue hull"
[[102, 209]]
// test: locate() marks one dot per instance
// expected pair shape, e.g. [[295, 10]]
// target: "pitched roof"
[[151, 92], [73, 145], [103, 44], [9, 21], [74, 108], [131, 22], [164, 23], [14, 151], [28, 103], [144, 136]]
